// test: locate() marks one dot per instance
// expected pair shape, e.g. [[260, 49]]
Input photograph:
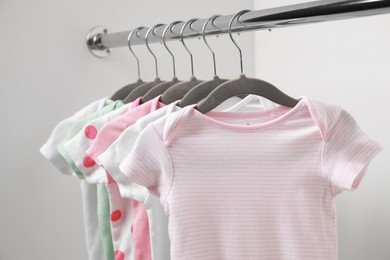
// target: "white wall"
[[47, 74], [346, 63]]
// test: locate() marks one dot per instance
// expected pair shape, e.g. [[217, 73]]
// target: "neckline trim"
[[288, 112]]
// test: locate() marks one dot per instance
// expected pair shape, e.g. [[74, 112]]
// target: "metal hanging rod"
[[99, 41]]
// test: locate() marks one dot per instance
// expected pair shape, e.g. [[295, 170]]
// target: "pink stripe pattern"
[[253, 185]]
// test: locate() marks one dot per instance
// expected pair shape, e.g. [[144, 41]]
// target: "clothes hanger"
[[161, 88], [243, 85], [177, 91], [142, 89], [201, 90], [124, 91]]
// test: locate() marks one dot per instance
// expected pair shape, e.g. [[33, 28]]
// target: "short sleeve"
[[149, 163], [81, 163], [49, 149], [347, 152], [105, 137]]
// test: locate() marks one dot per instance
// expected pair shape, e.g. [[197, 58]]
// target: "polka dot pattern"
[[119, 255], [88, 162], [116, 215], [90, 132]]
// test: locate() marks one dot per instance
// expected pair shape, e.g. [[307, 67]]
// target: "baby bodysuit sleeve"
[[149, 163], [347, 152]]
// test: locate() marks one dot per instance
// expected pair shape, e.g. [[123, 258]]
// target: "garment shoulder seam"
[[165, 198]]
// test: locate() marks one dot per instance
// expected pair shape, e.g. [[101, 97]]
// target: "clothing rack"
[[99, 41]]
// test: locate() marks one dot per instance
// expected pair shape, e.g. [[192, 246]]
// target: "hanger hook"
[[212, 18], [169, 27], [152, 29], [136, 30], [238, 15], [191, 21]]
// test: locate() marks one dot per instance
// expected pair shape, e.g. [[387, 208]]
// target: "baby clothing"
[[248, 104], [121, 146], [123, 207], [111, 158], [77, 127], [253, 185], [113, 155], [140, 220], [49, 149], [77, 146], [91, 221], [88, 192], [94, 174], [102, 196]]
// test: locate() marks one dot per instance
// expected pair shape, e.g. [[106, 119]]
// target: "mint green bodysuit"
[[102, 195]]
